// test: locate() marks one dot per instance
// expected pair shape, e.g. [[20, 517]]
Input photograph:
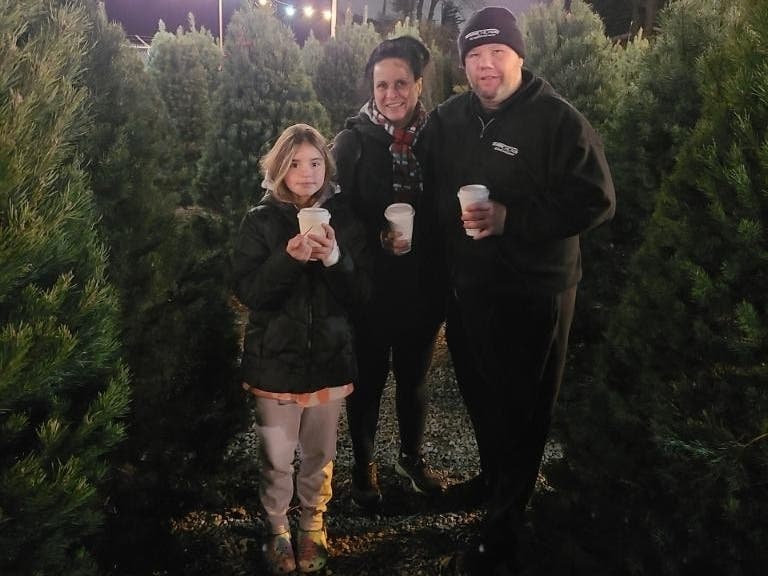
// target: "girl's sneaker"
[[313, 550], [278, 553]]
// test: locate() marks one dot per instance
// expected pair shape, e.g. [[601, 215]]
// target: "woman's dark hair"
[[406, 48]]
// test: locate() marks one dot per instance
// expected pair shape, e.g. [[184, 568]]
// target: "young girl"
[[298, 357]]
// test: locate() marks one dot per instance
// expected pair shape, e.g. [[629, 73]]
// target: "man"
[[513, 283]]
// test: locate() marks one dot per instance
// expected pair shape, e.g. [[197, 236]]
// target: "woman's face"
[[395, 90], [306, 173]]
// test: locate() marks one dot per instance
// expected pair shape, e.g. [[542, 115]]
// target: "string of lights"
[[290, 10], [287, 8]]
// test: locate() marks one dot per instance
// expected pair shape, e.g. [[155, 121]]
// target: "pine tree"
[[339, 76], [264, 89], [311, 55], [677, 417], [406, 27], [178, 329], [444, 72], [185, 68], [571, 51], [63, 389], [438, 77], [646, 124], [659, 109]]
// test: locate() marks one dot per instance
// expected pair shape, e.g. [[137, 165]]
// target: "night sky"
[[140, 17]]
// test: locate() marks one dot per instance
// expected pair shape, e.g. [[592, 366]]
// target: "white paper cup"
[[470, 194], [400, 217], [311, 219]]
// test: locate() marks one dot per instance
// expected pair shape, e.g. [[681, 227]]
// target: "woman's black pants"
[[409, 346]]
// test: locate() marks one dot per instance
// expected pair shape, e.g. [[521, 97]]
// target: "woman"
[[377, 160]]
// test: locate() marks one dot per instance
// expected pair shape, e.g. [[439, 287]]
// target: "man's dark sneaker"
[[365, 486], [415, 469]]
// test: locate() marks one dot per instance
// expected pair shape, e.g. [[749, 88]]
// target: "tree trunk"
[[432, 7], [651, 8], [644, 14]]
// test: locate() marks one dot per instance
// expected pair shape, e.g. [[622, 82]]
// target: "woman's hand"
[[394, 243]]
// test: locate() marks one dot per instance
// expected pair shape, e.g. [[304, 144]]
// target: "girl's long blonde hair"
[[276, 163]]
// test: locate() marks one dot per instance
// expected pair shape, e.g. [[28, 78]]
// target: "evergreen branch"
[[754, 440]]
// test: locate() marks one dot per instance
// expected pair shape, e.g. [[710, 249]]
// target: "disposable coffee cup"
[[400, 217], [311, 220], [471, 194]]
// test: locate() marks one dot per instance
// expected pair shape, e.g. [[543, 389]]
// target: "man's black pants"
[[509, 354]]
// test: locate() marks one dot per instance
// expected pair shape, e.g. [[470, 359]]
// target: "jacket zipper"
[[484, 125], [309, 332], [309, 326]]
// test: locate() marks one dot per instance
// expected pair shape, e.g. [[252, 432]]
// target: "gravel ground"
[[412, 535]]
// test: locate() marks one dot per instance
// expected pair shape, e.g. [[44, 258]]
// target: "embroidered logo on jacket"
[[484, 33], [504, 148]]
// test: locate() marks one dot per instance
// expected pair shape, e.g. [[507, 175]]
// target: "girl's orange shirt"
[[308, 399]]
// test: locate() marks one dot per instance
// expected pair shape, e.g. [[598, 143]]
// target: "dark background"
[[140, 17]]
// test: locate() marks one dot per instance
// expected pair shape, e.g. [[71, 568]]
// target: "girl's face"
[[306, 174], [395, 90]]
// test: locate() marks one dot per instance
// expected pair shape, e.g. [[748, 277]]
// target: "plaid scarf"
[[406, 172]]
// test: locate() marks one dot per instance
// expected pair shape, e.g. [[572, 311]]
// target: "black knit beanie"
[[491, 25]]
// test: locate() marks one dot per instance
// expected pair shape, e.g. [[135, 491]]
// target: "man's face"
[[494, 71]]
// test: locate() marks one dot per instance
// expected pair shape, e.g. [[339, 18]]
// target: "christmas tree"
[[63, 388]]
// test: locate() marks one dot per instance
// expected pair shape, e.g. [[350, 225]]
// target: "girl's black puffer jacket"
[[299, 337]]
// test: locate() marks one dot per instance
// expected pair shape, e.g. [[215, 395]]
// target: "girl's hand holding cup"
[[324, 248], [311, 245], [299, 248], [311, 224]]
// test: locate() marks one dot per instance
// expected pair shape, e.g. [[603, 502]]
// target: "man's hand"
[[487, 217]]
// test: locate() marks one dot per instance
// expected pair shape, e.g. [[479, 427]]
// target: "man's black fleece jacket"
[[540, 158]]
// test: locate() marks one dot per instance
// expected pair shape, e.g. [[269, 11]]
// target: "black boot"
[[365, 487]]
